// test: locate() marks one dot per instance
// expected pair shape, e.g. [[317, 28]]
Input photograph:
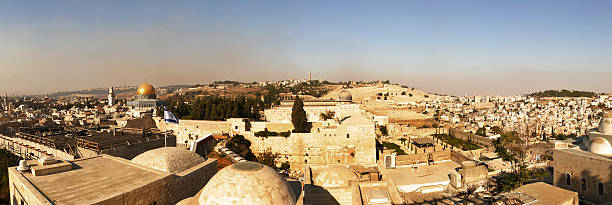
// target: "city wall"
[[485, 141]]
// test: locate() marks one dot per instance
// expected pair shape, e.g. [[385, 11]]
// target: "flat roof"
[[423, 141], [546, 193], [93, 180], [407, 178]]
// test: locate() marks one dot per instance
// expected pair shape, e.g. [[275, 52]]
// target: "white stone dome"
[[168, 159], [246, 183], [600, 146], [605, 125], [335, 176], [345, 95]]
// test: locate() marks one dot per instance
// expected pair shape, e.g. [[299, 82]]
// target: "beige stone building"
[[540, 193], [160, 176], [589, 171]]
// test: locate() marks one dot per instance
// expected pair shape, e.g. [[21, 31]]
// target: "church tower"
[[111, 96]]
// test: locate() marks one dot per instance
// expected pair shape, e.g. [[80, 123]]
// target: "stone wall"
[[167, 190], [399, 131], [422, 157], [459, 157], [191, 181], [283, 114], [469, 137], [22, 190], [323, 148], [189, 130], [594, 169]]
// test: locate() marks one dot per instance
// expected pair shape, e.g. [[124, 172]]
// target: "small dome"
[[600, 146], [168, 159], [345, 96], [246, 183], [605, 125], [145, 89], [335, 176]]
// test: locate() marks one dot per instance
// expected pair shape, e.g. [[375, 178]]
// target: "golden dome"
[[145, 89]]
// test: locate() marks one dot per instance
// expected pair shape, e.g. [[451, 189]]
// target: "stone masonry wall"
[[300, 149], [189, 182], [580, 164]]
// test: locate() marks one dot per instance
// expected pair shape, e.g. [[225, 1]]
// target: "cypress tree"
[[298, 116]]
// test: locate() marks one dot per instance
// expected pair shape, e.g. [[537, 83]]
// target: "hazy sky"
[[450, 47]]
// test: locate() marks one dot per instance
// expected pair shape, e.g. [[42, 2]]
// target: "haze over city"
[[455, 47]]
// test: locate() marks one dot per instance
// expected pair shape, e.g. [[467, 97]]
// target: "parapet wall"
[[422, 157], [191, 181]]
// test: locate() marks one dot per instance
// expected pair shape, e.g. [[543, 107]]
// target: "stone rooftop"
[[92, 181], [408, 179], [547, 194]]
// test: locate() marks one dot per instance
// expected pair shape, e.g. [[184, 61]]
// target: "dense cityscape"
[[369, 136], [306, 102]]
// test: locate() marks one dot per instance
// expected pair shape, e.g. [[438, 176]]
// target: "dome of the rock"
[[145, 89]]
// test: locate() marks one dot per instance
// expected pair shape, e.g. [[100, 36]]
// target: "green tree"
[[511, 148], [298, 117], [327, 115], [383, 130], [481, 132], [496, 129]]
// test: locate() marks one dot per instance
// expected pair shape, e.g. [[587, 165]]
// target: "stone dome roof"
[[246, 183], [600, 146], [605, 125], [145, 89], [168, 159], [345, 95], [335, 176]]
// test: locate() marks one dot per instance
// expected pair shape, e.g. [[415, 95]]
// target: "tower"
[[5, 103], [111, 96], [309, 76]]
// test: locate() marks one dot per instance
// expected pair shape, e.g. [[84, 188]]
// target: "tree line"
[[213, 107], [563, 93]]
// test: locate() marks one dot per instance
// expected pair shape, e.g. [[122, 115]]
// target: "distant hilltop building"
[[145, 100], [313, 107], [588, 171]]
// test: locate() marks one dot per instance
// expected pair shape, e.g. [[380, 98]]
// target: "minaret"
[[111, 97], [309, 76], [5, 103]]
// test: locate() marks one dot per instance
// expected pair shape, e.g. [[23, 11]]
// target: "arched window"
[[583, 185], [567, 180], [600, 188]]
